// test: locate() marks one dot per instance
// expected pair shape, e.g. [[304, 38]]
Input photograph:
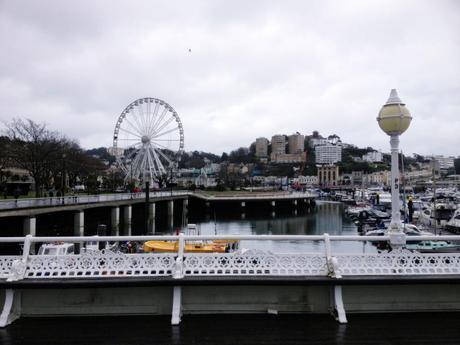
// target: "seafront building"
[[328, 175]]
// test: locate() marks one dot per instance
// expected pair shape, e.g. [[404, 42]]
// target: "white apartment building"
[[328, 154], [296, 143], [261, 147], [373, 157], [445, 163]]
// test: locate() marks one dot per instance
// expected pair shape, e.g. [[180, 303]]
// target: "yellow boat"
[[217, 246]]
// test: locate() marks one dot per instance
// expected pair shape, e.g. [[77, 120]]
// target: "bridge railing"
[[81, 199], [111, 262]]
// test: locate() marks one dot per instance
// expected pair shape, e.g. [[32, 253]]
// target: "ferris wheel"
[[149, 139]]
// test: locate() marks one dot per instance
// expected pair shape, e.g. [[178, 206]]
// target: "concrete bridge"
[[253, 281], [121, 207]]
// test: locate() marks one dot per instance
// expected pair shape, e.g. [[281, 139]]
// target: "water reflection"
[[328, 218]]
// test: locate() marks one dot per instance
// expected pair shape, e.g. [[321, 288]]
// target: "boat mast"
[[434, 197]]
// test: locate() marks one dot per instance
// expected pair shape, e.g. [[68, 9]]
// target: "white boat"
[[56, 249], [438, 218], [453, 225]]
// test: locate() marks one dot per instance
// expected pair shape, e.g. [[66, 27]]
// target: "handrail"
[[54, 201], [179, 263], [79, 199], [225, 237]]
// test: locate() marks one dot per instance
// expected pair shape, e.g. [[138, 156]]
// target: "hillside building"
[[328, 154], [296, 143], [262, 148]]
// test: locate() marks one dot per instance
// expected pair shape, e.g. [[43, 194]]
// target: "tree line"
[[49, 157]]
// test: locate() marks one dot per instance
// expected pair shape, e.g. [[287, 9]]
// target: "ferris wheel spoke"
[[125, 130], [154, 116], [148, 114], [135, 118], [136, 129], [155, 139], [162, 146], [130, 139], [140, 111], [164, 156], [153, 164], [160, 119], [161, 168], [163, 126], [164, 133]]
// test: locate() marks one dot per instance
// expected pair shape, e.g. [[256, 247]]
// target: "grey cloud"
[[256, 68]]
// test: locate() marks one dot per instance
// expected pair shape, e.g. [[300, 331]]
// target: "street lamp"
[[394, 119]]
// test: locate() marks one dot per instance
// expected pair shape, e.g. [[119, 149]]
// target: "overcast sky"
[[256, 68]]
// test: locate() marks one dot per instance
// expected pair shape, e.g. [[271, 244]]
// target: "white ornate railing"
[[107, 263], [99, 264]]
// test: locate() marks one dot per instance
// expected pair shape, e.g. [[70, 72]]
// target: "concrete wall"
[[238, 299]]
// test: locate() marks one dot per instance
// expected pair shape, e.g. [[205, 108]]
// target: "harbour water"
[[328, 217], [369, 329]]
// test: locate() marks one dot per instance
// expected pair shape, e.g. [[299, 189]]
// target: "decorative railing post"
[[178, 268], [332, 262], [18, 267]]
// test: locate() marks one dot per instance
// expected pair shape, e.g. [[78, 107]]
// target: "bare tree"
[[33, 148], [4, 162]]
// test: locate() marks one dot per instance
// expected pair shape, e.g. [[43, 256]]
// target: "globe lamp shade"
[[394, 118]]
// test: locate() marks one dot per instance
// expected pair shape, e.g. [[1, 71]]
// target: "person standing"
[[410, 207]]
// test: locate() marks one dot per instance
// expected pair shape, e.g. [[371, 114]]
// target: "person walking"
[[16, 194]]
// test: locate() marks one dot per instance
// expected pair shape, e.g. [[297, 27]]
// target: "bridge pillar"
[[170, 213], [127, 219], [185, 212], [30, 228], [115, 221], [79, 223], [152, 215]]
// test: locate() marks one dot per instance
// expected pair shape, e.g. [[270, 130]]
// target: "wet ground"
[[374, 329]]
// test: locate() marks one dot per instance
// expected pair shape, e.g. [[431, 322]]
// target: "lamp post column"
[[395, 217]]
